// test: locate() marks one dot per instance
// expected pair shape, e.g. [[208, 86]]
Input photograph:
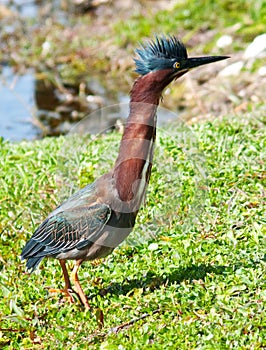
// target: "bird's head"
[[170, 55]]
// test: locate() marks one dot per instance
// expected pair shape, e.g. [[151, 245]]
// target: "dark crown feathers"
[[159, 53]]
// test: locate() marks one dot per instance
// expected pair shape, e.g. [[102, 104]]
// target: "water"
[[26, 8], [16, 106], [24, 100], [17, 92]]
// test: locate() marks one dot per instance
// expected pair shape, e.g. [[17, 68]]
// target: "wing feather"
[[75, 227]]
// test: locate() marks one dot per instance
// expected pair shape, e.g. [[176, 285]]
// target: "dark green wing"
[[77, 226]]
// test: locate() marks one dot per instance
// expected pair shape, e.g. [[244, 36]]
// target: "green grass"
[[194, 265]]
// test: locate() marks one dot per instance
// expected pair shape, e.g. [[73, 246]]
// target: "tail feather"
[[32, 263], [29, 252], [31, 248]]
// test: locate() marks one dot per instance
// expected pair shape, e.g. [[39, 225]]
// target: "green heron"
[[96, 219]]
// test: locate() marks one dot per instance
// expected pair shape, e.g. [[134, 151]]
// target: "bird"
[[92, 222]]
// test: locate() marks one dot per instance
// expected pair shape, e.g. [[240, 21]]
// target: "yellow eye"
[[176, 65]]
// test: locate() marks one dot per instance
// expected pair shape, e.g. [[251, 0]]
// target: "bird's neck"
[[133, 166]]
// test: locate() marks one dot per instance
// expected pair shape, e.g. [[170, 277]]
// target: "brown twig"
[[122, 326], [131, 322]]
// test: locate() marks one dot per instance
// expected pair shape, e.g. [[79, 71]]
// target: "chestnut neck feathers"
[[133, 165]]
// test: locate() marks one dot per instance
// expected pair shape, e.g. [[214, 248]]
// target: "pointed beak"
[[194, 62]]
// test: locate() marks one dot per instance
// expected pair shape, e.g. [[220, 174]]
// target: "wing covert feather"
[[71, 228]]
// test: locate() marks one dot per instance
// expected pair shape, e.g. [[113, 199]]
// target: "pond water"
[[17, 106], [17, 92], [25, 8], [26, 102]]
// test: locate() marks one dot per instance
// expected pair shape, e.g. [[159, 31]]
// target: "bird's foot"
[[68, 293]]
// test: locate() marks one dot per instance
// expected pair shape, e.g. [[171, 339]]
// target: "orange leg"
[[68, 289], [65, 274], [74, 276]]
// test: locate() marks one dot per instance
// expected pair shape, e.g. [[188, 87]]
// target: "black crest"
[[160, 53]]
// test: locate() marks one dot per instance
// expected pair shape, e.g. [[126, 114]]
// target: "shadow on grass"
[[151, 281]]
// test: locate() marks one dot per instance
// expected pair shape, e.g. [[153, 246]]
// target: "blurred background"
[[62, 60]]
